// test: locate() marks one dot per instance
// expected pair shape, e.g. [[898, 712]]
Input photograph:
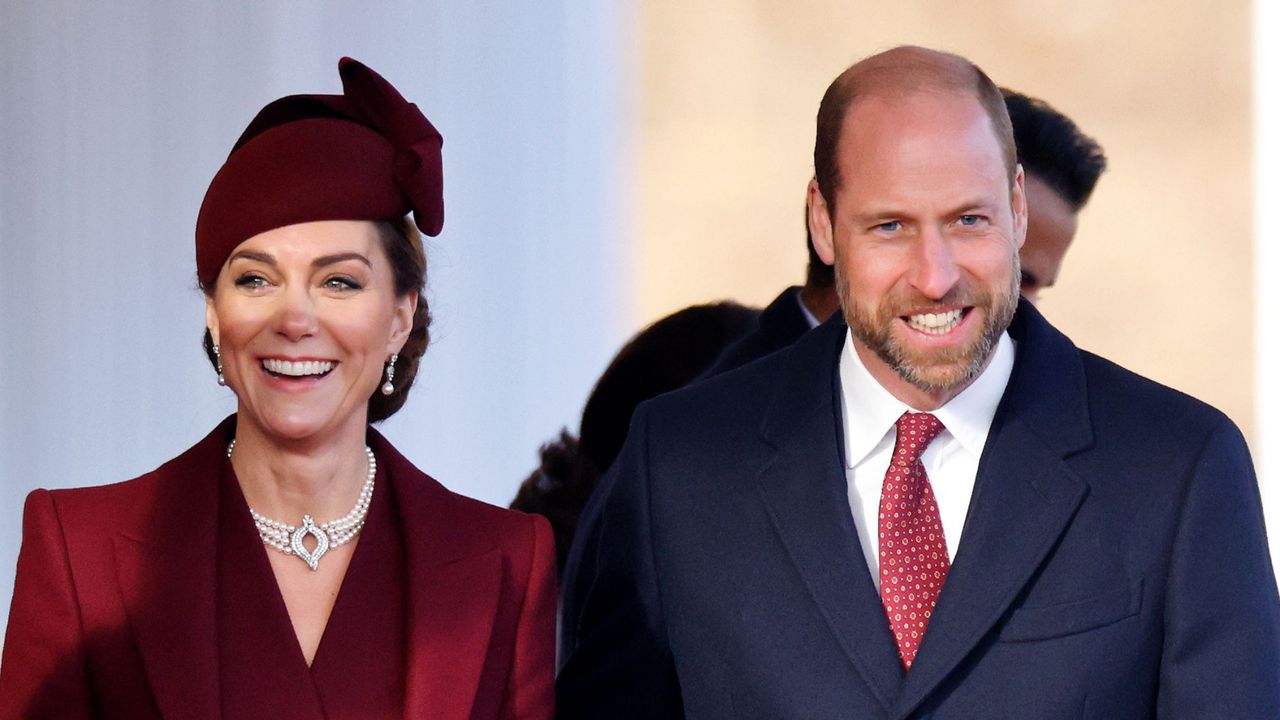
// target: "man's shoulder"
[[1121, 399], [1059, 388]]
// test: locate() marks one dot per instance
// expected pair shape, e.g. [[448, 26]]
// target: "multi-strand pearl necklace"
[[335, 533]]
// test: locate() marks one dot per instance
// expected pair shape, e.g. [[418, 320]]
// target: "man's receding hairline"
[[898, 73], [908, 69]]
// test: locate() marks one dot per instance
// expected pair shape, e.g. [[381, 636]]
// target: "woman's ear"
[[402, 322], [211, 318]]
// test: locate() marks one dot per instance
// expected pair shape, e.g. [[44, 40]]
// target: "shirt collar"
[[870, 411], [808, 316]]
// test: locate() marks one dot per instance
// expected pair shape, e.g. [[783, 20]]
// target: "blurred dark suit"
[[781, 323]]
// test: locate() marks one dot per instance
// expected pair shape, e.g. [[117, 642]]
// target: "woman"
[[293, 564]]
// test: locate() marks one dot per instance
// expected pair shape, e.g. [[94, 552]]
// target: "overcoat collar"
[[167, 568], [1024, 497]]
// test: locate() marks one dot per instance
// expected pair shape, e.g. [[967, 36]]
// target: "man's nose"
[[934, 272]]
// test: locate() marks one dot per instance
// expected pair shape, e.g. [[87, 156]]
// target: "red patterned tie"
[[913, 552]]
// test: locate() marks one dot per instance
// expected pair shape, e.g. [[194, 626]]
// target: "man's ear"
[[402, 322], [1018, 200], [211, 319], [820, 224]]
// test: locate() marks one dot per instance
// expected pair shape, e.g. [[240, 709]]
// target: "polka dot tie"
[[913, 552]]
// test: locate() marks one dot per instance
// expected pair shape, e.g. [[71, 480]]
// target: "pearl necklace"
[[335, 533]]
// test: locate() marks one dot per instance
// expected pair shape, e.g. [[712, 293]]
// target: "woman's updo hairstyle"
[[403, 246], [367, 154]]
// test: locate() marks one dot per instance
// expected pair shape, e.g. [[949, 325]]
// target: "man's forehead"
[[881, 120], [912, 102]]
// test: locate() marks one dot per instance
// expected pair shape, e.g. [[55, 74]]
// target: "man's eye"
[[970, 220], [891, 226]]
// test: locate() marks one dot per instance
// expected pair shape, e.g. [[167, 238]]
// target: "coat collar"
[[784, 317], [804, 489], [1023, 490], [454, 581], [167, 575], [167, 570]]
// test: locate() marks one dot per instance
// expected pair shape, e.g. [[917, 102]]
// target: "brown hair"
[[403, 246], [902, 71]]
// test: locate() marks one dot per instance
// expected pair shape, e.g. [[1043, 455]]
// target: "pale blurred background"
[[1159, 278], [605, 164]]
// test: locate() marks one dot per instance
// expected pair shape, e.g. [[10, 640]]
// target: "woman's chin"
[[298, 424]]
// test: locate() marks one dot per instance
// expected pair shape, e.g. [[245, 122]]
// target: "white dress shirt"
[[951, 460]]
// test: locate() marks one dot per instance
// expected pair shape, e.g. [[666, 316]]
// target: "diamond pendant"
[[309, 527]]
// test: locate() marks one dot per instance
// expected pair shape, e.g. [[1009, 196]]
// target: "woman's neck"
[[284, 480]]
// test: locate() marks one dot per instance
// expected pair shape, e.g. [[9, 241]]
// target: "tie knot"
[[915, 432]]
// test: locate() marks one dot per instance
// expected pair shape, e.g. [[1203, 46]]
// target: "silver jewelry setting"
[[387, 387], [222, 380], [333, 534]]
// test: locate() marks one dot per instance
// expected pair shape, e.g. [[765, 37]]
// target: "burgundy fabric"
[[114, 612], [365, 155], [359, 667]]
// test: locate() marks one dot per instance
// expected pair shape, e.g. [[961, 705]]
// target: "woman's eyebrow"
[[254, 255], [340, 257]]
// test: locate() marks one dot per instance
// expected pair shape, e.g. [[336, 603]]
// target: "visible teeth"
[[935, 323], [300, 368]]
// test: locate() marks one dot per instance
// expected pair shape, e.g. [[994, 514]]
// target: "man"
[[1061, 166], [944, 510]]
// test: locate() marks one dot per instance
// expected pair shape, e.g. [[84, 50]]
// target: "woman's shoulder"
[[173, 484], [424, 500]]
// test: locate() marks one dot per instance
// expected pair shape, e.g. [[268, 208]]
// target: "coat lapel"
[[166, 572], [1024, 498], [805, 490], [455, 579]]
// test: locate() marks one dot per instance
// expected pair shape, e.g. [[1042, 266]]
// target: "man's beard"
[[935, 370]]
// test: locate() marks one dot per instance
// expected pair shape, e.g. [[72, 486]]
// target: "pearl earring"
[[217, 358], [387, 387]]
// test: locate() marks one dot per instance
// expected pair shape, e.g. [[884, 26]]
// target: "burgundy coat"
[[114, 613]]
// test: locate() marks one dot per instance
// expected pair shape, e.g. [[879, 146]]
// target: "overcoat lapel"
[[1024, 498], [166, 571], [805, 490], [455, 577]]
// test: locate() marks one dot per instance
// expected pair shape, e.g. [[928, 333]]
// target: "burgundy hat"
[[367, 154]]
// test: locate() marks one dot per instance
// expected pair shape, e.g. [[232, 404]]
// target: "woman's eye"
[[341, 283], [251, 281]]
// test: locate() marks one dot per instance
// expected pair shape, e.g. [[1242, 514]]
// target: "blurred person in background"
[[1062, 166], [664, 356], [795, 311], [293, 564]]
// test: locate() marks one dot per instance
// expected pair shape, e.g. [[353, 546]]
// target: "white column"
[[1266, 232]]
